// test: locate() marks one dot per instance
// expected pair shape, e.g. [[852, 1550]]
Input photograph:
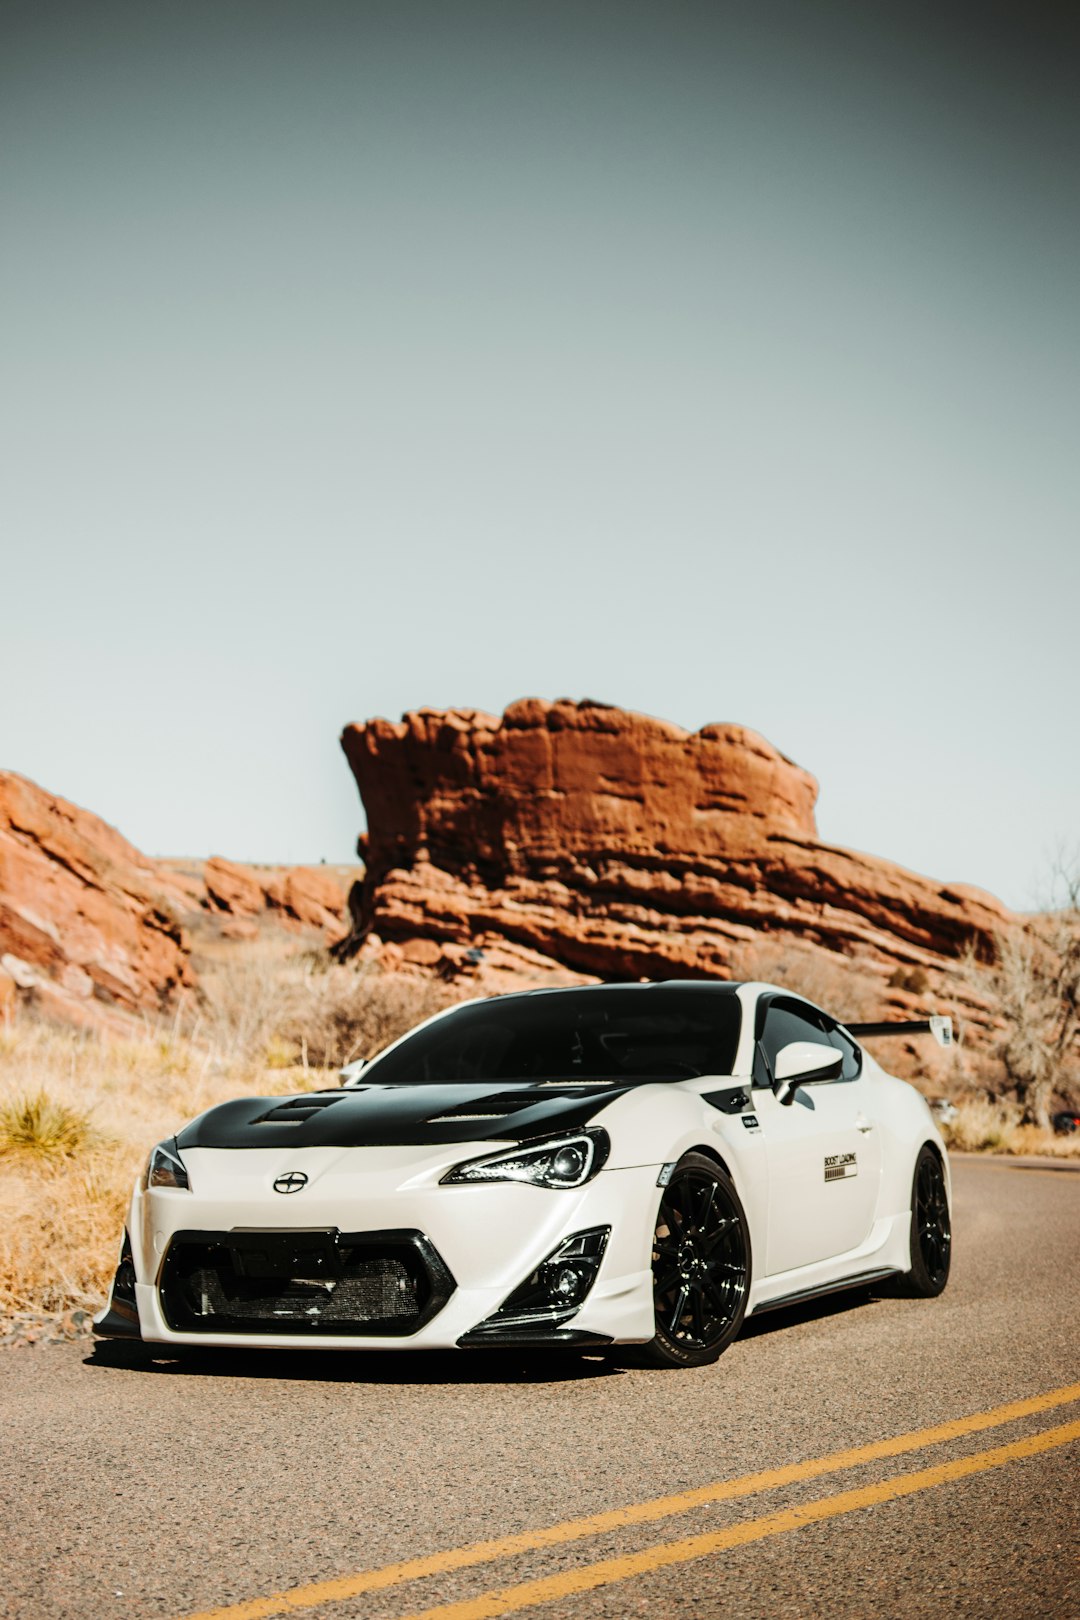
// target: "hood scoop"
[[388, 1116], [505, 1103], [295, 1110], [497, 1107]]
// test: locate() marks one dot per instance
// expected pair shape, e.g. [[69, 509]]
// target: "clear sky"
[[718, 361]]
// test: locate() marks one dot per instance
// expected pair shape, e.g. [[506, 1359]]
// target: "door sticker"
[[840, 1166]]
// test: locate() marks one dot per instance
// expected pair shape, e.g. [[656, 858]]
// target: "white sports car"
[[619, 1164]]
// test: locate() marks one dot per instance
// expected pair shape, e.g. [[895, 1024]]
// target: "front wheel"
[[931, 1228], [700, 1264]]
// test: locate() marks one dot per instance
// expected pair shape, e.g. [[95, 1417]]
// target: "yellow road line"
[[528, 1594], [336, 1589]]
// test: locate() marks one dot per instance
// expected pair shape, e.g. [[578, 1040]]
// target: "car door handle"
[[863, 1124]]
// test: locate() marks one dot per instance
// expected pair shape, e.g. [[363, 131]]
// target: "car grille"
[[320, 1282]]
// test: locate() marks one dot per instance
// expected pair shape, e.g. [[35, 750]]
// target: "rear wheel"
[[931, 1228], [701, 1265]]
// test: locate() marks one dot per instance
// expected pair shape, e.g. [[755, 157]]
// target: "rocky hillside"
[[584, 838], [92, 931], [84, 917]]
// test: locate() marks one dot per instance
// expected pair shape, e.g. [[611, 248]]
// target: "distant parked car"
[[1066, 1122], [944, 1110]]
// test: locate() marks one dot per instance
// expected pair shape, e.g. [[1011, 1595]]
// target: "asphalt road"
[[133, 1487]]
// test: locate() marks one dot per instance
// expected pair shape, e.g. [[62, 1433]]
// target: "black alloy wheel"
[[931, 1227], [700, 1264]]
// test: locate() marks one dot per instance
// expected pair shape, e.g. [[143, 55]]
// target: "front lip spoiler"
[[114, 1322], [532, 1339]]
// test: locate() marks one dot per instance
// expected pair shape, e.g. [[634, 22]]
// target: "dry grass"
[[79, 1113], [304, 1010], [38, 1127], [992, 1125]]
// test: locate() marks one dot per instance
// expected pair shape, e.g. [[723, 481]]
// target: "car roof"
[[710, 986]]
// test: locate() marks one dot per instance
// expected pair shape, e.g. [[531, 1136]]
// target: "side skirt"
[[800, 1295]]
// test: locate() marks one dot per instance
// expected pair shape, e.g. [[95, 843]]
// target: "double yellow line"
[[528, 1594]]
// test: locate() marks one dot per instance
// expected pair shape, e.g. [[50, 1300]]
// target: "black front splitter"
[[114, 1324], [522, 1339]]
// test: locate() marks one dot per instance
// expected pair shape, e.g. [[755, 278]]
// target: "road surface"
[[867, 1456]]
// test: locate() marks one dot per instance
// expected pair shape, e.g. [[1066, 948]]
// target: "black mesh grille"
[[324, 1282]]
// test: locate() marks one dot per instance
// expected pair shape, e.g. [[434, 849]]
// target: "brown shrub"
[[1033, 988], [38, 1127], [306, 1010], [348, 1012], [993, 1125], [849, 988]]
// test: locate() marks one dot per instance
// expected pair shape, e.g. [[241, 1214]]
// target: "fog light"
[[568, 1284], [558, 1286]]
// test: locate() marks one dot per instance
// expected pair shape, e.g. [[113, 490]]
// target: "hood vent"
[[297, 1109], [497, 1107], [505, 1103]]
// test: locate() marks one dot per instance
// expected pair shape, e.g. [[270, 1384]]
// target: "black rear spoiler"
[[940, 1028]]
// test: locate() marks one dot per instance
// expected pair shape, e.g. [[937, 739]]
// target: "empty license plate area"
[[319, 1281], [315, 1255]]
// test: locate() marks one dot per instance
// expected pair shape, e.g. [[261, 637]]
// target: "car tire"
[[701, 1265], [931, 1228]]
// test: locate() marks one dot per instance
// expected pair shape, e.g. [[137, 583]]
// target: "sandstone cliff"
[[91, 930], [584, 838], [297, 897], [85, 919]]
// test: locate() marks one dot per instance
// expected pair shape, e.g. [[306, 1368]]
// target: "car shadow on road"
[[811, 1310], [419, 1367], [354, 1366]]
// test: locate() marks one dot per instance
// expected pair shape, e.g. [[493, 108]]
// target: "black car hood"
[[387, 1116]]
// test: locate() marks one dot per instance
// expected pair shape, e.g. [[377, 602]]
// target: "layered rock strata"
[[585, 838], [85, 918], [92, 930], [295, 896]]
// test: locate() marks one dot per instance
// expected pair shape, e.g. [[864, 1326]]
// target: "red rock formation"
[[91, 930], [297, 896], [233, 888], [308, 897], [84, 917], [584, 837]]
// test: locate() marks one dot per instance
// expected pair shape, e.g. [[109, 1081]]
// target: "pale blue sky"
[[717, 361]]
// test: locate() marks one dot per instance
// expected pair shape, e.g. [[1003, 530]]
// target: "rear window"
[[630, 1033]]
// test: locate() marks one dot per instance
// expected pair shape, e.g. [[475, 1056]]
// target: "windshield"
[[630, 1033]]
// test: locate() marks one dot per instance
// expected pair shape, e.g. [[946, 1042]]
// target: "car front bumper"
[[490, 1237]]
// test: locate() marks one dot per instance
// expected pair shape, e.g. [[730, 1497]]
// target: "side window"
[[784, 1022], [852, 1053]]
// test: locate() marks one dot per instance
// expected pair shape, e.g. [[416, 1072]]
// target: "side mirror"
[[805, 1063], [350, 1074]]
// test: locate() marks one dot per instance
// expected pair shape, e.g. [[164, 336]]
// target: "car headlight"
[[560, 1161], [165, 1167]]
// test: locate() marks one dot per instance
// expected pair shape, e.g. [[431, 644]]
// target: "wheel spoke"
[[712, 1243], [721, 1295], [680, 1306]]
